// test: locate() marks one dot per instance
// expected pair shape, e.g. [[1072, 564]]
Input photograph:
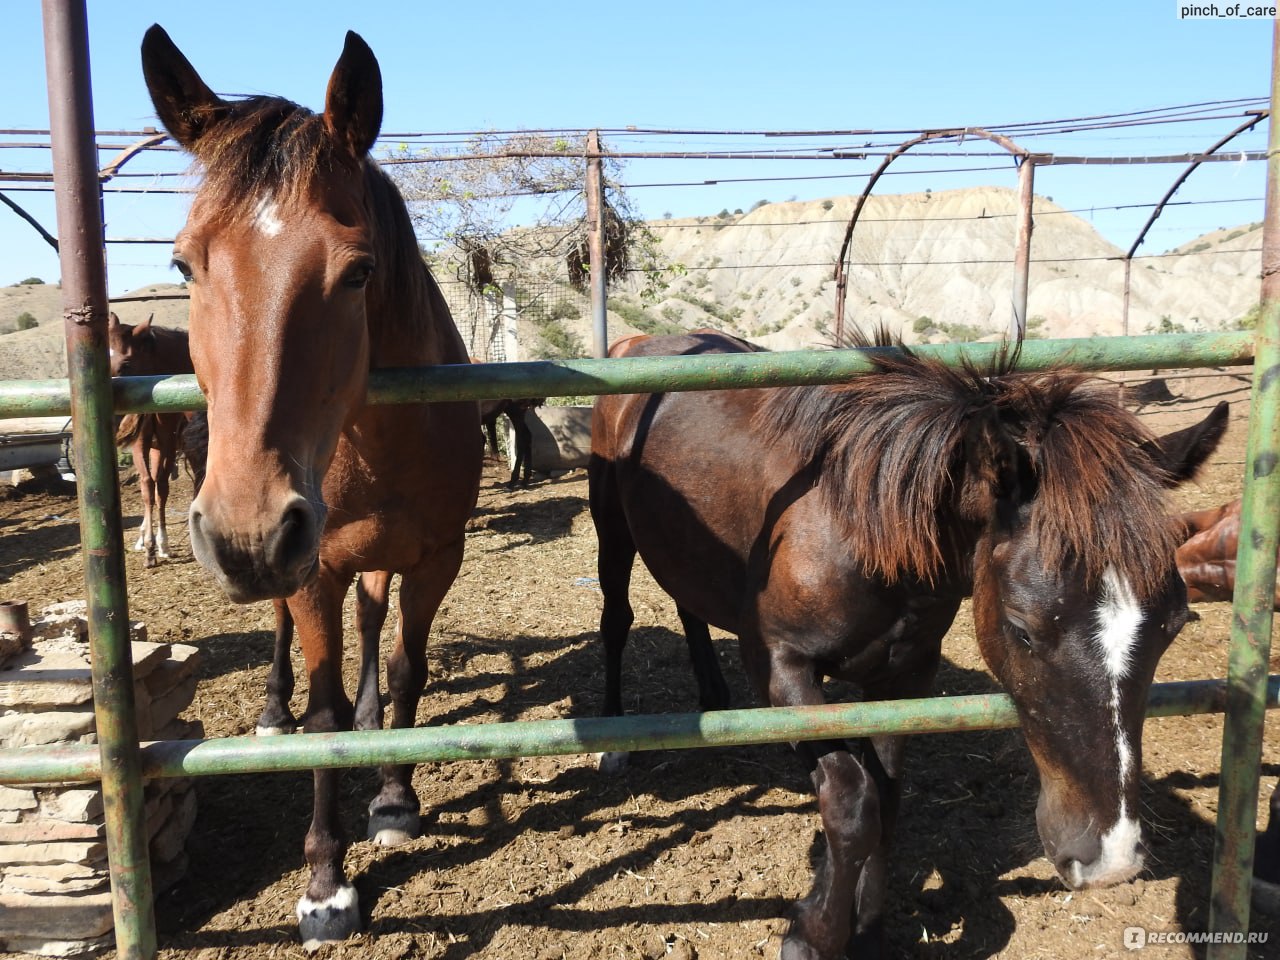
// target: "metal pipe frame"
[[119, 761]]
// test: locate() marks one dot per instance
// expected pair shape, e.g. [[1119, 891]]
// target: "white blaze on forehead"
[[267, 218], [1119, 617], [1119, 620]]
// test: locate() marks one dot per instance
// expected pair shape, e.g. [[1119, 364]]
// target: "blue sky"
[[690, 65]]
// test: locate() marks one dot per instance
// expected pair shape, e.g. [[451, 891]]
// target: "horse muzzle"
[[254, 560], [1085, 857]]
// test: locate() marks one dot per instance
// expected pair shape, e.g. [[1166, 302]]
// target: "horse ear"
[[184, 103], [1182, 453], [143, 329], [112, 320], [353, 103]]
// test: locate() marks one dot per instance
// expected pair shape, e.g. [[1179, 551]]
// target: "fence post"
[[84, 306], [1022, 252], [596, 246], [1251, 618]]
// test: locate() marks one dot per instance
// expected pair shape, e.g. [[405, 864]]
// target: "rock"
[[77, 805], [28, 729], [68, 917], [12, 798], [48, 831], [64, 851]]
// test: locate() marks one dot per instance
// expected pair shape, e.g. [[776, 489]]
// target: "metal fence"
[[121, 763]]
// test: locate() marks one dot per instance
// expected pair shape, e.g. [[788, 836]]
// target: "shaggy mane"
[[893, 450]]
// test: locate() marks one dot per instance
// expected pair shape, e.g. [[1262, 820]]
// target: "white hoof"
[[614, 761], [328, 921], [391, 837], [272, 731]]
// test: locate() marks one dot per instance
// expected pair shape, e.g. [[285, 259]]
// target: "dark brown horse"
[[305, 274], [153, 439], [835, 530], [515, 411]]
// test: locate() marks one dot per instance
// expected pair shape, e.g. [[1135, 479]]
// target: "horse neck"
[[408, 319]]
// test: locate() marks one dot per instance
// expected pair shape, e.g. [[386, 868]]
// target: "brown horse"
[[1207, 557], [835, 530], [305, 274], [1207, 562], [514, 410], [152, 438]]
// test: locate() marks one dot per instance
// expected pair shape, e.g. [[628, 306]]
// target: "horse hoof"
[[612, 762], [328, 921], [266, 730], [391, 826], [1266, 897]]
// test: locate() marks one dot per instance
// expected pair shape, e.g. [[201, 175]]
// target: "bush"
[[31, 282], [26, 321]]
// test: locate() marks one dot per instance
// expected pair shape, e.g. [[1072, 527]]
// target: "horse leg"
[[883, 758], [1266, 861], [516, 419], [161, 466], [614, 559], [329, 910], [524, 447], [147, 490], [276, 717], [849, 804], [372, 590], [393, 814], [713, 692]]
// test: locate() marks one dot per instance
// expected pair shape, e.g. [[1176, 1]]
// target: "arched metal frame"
[[1026, 195], [120, 762]]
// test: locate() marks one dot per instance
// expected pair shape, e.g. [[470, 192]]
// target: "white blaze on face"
[[267, 218], [1119, 619]]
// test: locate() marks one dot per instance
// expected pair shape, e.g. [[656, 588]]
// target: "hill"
[[930, 266]]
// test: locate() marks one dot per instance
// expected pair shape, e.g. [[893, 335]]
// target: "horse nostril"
[[294, 541]]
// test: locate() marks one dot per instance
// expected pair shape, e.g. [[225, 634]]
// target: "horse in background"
[[306, 485], [835, 530], [1207, 562], [514, 410], [152, 438]]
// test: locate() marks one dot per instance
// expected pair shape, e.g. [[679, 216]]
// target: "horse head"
[[1076, 596], [278, 249]]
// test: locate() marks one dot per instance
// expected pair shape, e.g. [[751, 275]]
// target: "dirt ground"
[[689, 854]]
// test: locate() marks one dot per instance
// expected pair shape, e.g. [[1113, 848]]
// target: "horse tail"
[[128, 429], [195, 447]]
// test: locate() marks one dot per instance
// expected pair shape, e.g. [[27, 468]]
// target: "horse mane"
[[893, 448], [264, 149]]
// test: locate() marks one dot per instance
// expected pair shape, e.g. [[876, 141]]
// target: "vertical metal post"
[[595, 247], [1022, 252], [84, 305], [1255, 585], [1128, 277]]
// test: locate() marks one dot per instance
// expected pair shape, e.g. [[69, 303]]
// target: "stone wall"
[[55, 896]]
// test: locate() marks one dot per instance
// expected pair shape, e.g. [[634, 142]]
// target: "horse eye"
[[358, 275], [1018, 631], [182, 266]]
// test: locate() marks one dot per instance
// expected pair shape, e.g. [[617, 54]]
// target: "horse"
[[515, 411], [1207, 562], [836, 529], [152, 438], [1207, 556], [305, 274]]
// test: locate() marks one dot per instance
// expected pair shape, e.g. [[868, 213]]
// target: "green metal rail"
[[529, 738], [30, 398]]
